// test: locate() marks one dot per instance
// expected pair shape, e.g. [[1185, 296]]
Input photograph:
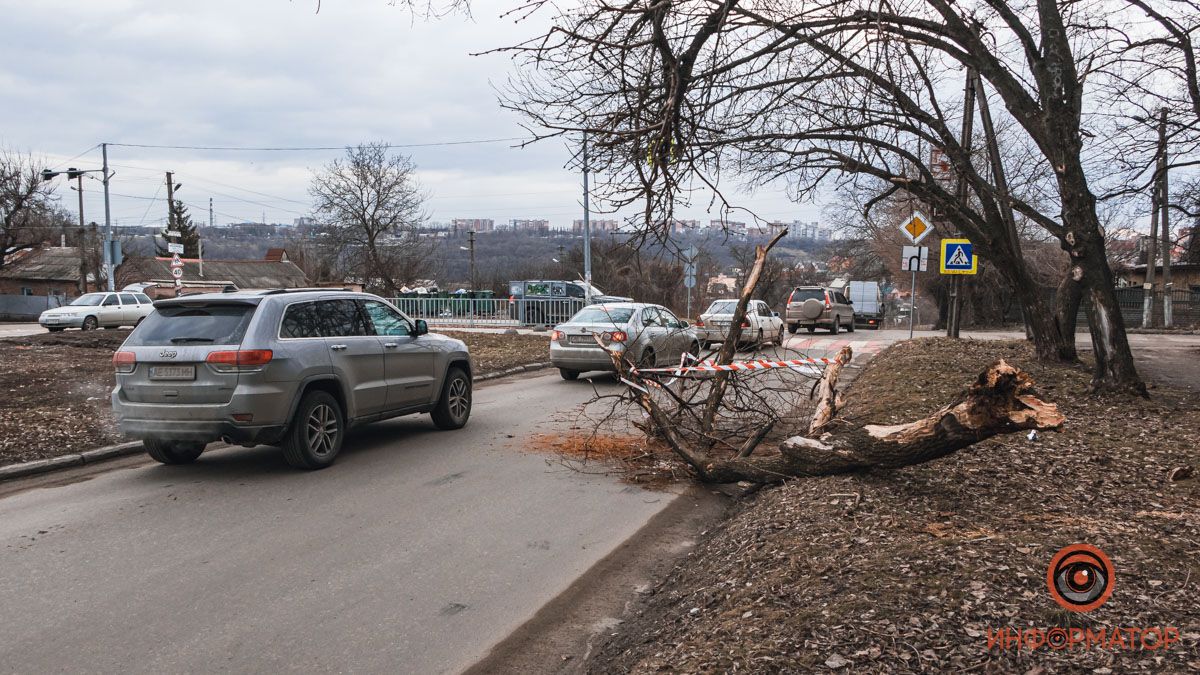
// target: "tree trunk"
[[1084, 242], [1000, 401], [1066, 304], [1048, 340]]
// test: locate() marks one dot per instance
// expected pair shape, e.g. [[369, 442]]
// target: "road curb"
[[74, 459], [121, 449], [527, 368]]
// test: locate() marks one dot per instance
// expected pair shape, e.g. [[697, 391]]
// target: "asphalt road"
[[415, 552]]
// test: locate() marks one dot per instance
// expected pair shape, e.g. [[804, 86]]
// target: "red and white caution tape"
[[713, 367]]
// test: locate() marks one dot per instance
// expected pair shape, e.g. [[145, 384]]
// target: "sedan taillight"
[[614, 336], [242, 360], [124, 362], [557, 336]]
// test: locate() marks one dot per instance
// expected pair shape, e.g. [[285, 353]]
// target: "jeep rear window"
[[207, 324], [802, 294]]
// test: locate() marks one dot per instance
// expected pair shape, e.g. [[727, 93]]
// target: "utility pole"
[[82, 238], [1001, 182], [1151, 252], [170, 201], [587, 229], [471, 243], [955, 320], [1164, 203], [108, 263]]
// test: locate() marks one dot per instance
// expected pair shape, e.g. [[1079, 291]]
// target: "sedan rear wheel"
[[647, 360], [90, 323]]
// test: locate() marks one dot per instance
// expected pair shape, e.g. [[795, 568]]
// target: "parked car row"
[[294, 368], [651, 335]]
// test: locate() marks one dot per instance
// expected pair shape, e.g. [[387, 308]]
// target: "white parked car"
[[762, 324], [94, 310]]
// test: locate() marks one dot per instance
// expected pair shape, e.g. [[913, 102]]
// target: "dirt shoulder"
[[907, 570], [54, 387]]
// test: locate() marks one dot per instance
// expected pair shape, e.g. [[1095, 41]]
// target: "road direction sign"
[[175, 248], [958, 257], [177, 272], [915, 259], [689, 281], [916, 228], [174, 233]]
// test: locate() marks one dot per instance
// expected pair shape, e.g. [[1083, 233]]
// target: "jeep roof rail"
[[277, 291]]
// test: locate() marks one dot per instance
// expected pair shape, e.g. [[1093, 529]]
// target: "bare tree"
[[819, 94], [371, 207], [25, 203]]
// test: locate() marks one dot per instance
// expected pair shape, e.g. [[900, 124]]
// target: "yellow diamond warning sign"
[[916, 227]]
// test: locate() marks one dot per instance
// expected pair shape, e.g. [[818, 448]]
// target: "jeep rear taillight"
[[242, 360], [124, 362]]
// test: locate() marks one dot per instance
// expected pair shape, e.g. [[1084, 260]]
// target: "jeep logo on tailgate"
[[168, 353]]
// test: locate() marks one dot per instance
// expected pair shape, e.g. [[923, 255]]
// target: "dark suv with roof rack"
[[294, 368]]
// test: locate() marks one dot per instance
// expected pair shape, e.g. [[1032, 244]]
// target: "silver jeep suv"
[[293, 368]]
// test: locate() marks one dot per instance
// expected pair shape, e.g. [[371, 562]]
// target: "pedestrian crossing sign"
[[958, 257]]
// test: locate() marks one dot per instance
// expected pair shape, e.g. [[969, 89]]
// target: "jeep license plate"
[[172, 372]]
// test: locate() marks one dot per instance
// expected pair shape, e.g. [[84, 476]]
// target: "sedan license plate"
[[172, 372], [581, 340]]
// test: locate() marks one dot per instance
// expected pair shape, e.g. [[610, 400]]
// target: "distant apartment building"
[[304, 221], [598, 226], [680, 226], [464, 225], [731, 226], [532, 225]]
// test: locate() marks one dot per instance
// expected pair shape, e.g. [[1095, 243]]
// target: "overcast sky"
[[272, 73]]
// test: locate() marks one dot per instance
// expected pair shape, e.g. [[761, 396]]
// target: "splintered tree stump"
[[1000, 401]]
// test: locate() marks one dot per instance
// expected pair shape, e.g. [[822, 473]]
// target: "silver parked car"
[[650, 335], [293, 368], [761, 325], [94, 310]]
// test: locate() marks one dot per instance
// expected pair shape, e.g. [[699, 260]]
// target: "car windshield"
[[802, 294], [88, 300], [210, 324], [722, 307], [602, 314]]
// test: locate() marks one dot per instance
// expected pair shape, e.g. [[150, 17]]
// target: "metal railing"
[[453, 311]]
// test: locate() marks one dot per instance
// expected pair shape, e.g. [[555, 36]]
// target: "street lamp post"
[[72, 172], [474, 285]]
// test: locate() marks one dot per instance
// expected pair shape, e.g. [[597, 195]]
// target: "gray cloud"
[[276, 74]]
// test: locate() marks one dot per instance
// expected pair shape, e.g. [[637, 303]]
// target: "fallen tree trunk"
[[1000, 401]]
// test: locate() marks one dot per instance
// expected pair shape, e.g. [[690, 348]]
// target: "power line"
[[302, 149], [68, 161]]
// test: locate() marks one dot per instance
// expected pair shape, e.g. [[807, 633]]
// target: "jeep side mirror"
[[421, 328]]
